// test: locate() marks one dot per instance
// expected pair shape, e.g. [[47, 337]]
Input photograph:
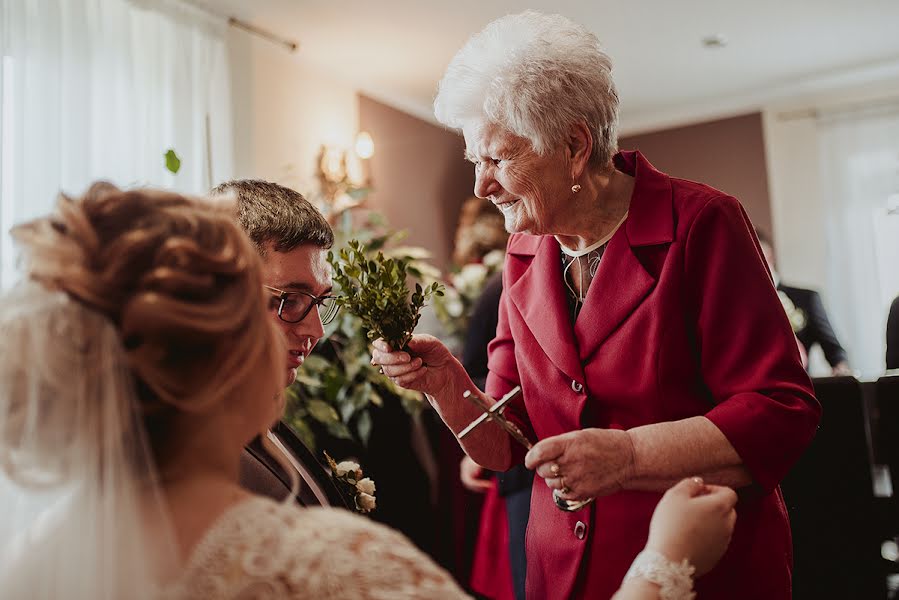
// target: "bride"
[[132, 361]]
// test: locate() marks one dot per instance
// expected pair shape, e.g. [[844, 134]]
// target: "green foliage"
[[375, 290], [172, 161]]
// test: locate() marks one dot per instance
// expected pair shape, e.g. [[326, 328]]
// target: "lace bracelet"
[[675, 580]]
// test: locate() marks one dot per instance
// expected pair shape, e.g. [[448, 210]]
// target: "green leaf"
[[303, 432], [172, 161], [323, 412]]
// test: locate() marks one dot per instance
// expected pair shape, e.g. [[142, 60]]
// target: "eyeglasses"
[[294, 306]]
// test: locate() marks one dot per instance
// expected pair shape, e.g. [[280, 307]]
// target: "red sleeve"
[[502, 373], [749, 357]]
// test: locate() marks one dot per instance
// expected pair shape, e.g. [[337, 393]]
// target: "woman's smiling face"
[[530, 190]]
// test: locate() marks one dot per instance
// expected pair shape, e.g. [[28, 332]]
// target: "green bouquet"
[[375, 291]]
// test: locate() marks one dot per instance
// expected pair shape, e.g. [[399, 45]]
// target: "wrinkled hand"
[[424, 368], [472, 476], [584, 464], [695, 521]]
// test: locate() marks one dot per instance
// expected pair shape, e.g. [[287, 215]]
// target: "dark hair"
[[272, 213]]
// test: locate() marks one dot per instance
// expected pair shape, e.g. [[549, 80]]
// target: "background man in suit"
[[893, 336], [817, 329]]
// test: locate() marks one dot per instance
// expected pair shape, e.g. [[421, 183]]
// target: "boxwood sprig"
[[375, 290]]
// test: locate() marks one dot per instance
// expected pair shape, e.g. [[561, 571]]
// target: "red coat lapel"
[[622, 281], [540, 298]]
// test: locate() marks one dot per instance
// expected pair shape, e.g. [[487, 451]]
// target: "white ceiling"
[[396, 50]]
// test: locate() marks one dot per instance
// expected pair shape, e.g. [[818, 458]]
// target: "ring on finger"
[[554, 469]]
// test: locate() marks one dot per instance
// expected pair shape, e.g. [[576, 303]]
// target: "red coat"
[[681, 320]]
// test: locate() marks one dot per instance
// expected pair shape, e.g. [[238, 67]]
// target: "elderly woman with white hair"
[[638, 317]]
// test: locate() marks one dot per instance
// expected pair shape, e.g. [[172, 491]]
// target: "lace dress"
[[261, 549]]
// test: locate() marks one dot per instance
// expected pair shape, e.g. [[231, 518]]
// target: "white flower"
[[365, 502], [345, 467], [366, 486], [454, 307], [470, 279], [494, 259]]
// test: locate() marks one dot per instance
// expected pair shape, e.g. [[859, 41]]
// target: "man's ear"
[[580, 148]]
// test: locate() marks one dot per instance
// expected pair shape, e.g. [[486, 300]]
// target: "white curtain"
[[101, 89], [859, 154]]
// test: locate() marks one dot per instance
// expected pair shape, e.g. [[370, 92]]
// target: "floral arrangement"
[[350, 481], [796, 315]]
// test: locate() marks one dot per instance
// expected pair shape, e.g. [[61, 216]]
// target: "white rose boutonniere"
[[795, 315], [350, 481], [346, 466]]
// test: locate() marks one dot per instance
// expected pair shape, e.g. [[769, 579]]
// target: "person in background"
[[892, 357], [507, 502], [817, 328]]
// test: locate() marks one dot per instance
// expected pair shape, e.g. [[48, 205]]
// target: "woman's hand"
[[584, 464], [423, 368], [693, 521], [472, 476]]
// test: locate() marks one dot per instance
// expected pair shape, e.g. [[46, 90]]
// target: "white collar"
[[595, 245]]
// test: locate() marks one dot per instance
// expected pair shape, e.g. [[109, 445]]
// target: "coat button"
[[580, 530], [576, 386]]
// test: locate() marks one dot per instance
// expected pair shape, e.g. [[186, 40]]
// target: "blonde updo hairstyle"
[[180, 282]]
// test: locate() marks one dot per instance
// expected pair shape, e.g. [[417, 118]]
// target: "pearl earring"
[[576, 188]]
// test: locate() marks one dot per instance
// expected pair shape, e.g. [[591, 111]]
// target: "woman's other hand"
[[472, 476], [583, 464], [424, 368], [693, 521]]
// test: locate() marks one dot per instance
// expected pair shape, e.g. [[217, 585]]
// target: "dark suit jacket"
[[817, 329], [893, 336], [261, 474]]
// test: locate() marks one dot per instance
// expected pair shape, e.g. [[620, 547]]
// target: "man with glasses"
[[293, 239]]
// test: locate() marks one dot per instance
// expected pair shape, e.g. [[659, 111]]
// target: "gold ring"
[[554, 469]]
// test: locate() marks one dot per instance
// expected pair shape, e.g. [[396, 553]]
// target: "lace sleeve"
[[346, 556], [267, 550]]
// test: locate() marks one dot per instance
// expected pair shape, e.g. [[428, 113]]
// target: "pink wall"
[[728, 154], [419, 176]]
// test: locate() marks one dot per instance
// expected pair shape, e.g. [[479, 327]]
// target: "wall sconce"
[[343, 173]]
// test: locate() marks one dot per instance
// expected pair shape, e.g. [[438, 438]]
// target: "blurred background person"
[[892, 357], [816, 328]]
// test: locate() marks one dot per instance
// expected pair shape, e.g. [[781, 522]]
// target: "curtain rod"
[[259, 32], [262, 33]]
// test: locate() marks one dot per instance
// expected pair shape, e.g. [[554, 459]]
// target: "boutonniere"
[[352, 483], [796, 315]]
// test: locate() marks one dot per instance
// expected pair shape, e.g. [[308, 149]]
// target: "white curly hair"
[[534, 75]]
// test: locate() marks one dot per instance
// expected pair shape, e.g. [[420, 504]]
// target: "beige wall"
[[419, 176], [728, 154], [283, 112]]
